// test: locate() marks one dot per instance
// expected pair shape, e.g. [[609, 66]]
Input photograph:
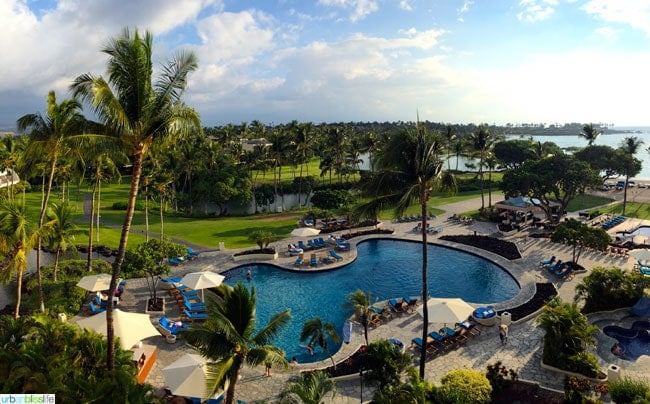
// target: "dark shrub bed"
[[544, 291], [504, 248]]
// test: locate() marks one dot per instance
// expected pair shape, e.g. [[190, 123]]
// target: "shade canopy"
[[304, 232], [641, 254], [129, 327], [96, 282], [202, 280], [186, 376], [449, 310]]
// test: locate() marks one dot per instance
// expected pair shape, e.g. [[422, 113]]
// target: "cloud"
[[536, 10], [406, 5], [463, 10], [635, 13], [360, 8]]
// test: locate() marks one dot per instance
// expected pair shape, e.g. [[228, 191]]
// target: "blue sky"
[[482, 61]]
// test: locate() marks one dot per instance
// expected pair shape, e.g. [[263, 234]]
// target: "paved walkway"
[[522, 352]]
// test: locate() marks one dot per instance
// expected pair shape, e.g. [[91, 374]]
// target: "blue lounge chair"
[[645, 270], [559, 268], [395, 305], [172, 326], [174, 261], [449, 332], [95, 309], [322, 242], [299, 261], [437, 336], [327, 259], [195, 316], [312, 244], [313, 261], [548, 261], [565, 273], [555, 267], [190, 294], [303, 246], [343, 246], [410, 303], [417, 342], [191, 254], [334, 255]]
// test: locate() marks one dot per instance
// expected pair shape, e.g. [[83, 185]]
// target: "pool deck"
[[522, 352]]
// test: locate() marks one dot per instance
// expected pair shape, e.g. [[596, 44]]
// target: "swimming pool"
[[639, 231], [633, 342], [386, 268]]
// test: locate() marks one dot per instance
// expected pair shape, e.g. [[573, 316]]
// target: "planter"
[[602, 376], [171, 339], [155, 312], [255, 257]]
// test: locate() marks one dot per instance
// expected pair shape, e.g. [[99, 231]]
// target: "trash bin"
[[63, 317], [506, 318], [613, 373], [222, 246]]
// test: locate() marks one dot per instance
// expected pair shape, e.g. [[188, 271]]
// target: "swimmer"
[[249, 274]]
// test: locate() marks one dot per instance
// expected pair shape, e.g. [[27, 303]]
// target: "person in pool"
[[249, 274]]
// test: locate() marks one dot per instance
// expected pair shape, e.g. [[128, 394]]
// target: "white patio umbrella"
[[186, 376], [641, 254], [94, 283], [129, 327], [304, 232], [202, 280], [447, 310]]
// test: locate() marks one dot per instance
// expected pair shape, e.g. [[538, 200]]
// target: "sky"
[[460, 61]]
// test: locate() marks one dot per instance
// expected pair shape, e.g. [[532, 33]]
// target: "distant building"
[[249, 144], [8, 177]]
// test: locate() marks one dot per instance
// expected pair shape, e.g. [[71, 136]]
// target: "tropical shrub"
[[261, 237], [609, 289], [310, 388], [567, 335], [628, 390], [139, 205], [465, 386], [385, 363], [500, 376]]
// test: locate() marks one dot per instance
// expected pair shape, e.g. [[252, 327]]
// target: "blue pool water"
[[385, 268], [634, 341], [640, 231]]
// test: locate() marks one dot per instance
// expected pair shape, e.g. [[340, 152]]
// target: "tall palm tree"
[[50, 138], [139, 113], [318, 331], [409, 169], [63, 231], [630, 146], [359, 302], [310, 388], [17, 237], [450, 135], [12, 149], [482, 141], [226, 338], [591, 133]]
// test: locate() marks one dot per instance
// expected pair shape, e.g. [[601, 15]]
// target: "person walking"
[[503, 333]]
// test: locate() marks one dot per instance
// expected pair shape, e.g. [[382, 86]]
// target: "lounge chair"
[[303, 246], [299, 261], [321, 242], [334, 255], [565, 273], [326, 259], [558, 268], [195, 307], [395, 306], [173, 327], [174, 261], [195, 316], [555, 267], [470, 326], [411, 304], [191, 254], [95, 309], [169, 283], [548, 261], [313, 261], [343, 246], [645, 270], [374, 320], [312, 245]]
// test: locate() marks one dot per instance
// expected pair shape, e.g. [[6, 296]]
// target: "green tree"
[[601, 158], [590, 133], [414, 390], [261, 237], [319, 331], [359, 302], [552, 179], [50, 138], [631, 165], [139, 113], [409, 168], [579, 236], [310, 388], [465, 386], [226, 338], [606, 289], [63, 231], [482, 142], [17, 237], [385, 364]]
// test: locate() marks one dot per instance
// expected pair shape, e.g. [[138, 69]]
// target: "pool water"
[[634, 341], [386, 269], [640, 231]]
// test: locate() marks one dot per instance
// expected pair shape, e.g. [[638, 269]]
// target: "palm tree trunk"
[[44, 201], [56, 261], [627, 177], [99, 201], [230, 392], [89, 263], [146, 213], [19, 293], [117, 264], [162, 225], [425, 288]]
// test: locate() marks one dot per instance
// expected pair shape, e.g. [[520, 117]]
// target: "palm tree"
[[139, 113], [482, 141], [360, 302], [310, 388], [629, 146], [450, 136], [63, 231], [316, 330], [17, 237], [226, 338], [590, 133], [409, 169], [50, 138]]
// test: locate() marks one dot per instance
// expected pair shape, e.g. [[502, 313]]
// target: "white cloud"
[[536, 10], [635, 13], [360, 8], [406, 5]]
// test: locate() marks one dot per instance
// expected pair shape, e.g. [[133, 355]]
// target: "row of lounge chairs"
[[613, 222], [445, 339], [99, 301], [314, 260], [189, 303], [191, 254], [405, 305], [643, 268], [562, 270], [169, 327]]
